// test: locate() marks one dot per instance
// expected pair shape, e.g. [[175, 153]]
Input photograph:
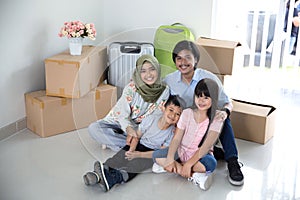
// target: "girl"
[[190, 132], [141, 97]]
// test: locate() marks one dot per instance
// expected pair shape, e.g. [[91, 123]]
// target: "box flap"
[[252, 108], [218, 43]]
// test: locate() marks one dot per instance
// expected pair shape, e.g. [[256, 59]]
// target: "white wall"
[[30, 28]]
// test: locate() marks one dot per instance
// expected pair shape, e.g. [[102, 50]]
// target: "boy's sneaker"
[[203, 180], [158, 169], [108, 177], [235, 175], [91, 178]]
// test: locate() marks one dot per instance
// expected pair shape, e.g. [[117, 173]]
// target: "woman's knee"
[[93, 129]]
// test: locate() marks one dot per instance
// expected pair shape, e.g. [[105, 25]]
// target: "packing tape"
[[61, 91], [64, 101], [35, 100], [97, 95]]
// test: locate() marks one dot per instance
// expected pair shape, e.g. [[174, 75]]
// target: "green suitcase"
[[165, 39]]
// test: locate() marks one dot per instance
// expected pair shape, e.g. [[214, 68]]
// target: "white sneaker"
[[203, 180], [158, 169]]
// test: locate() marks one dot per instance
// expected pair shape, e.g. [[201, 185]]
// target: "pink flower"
[[78, 29]]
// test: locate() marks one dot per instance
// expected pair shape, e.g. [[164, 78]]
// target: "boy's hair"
[[186, 45], [209, 88], [176, 100]]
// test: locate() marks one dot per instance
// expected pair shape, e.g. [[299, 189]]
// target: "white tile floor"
[[51, 168]]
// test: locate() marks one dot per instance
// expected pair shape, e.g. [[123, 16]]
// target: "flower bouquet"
[[76, 31]]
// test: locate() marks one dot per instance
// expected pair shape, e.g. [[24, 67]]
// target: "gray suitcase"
[[122, 59]]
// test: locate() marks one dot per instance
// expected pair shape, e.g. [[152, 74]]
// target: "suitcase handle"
[[130, 48]]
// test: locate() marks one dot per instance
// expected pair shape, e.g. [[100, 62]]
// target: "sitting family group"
[[169, 125]]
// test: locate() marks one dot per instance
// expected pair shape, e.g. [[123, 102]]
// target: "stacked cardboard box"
[[220, 57], [75, 95]]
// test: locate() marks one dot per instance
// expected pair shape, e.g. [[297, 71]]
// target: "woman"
[[141, 97]]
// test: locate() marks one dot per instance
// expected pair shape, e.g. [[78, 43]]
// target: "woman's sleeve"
[[121, 112]]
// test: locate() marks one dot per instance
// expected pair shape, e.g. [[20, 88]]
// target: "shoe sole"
[[98, 167], [86, 179], [208, 182], [157, 169], [235, 183]]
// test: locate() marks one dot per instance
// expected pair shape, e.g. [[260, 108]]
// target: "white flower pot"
[[75, 46]]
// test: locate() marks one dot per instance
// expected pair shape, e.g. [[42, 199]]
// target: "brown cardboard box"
[[253, 122], [74, 76], [219, 56], [47, 115], [221, 77]]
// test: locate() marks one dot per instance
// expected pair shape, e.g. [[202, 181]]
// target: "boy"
[[156, 131]]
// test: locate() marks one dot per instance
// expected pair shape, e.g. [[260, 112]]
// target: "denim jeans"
[[228, 141], [208, 160]]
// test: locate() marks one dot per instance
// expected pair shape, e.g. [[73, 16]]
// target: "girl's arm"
[[210, 140], [169, 162]]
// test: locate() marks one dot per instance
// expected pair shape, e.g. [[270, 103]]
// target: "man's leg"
[[227, 139]]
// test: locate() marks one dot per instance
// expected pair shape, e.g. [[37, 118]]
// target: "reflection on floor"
[[51, 168]]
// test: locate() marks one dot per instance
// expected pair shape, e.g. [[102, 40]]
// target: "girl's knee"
[[212, 165]]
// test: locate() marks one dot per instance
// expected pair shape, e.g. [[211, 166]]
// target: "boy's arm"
[[133, 144], [169, 162], [135, 140], [138, 154]]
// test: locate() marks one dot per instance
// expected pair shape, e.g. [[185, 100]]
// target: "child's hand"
[[186, 170], [171, 167], [129, 155]]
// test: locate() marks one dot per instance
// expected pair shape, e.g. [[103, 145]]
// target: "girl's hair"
[[186, 45], [209, 88], [176, 100]]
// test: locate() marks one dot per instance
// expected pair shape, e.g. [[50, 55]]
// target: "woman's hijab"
[[150, 93]]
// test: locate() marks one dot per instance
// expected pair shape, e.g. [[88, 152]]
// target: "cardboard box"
[[253, 122], [219, 56], [74, 76], [221, 77], [47, 115]]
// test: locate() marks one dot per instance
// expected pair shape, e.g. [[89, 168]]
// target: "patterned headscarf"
[[150, 93]]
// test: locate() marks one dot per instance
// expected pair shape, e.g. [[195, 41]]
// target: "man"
[[182, 82]]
